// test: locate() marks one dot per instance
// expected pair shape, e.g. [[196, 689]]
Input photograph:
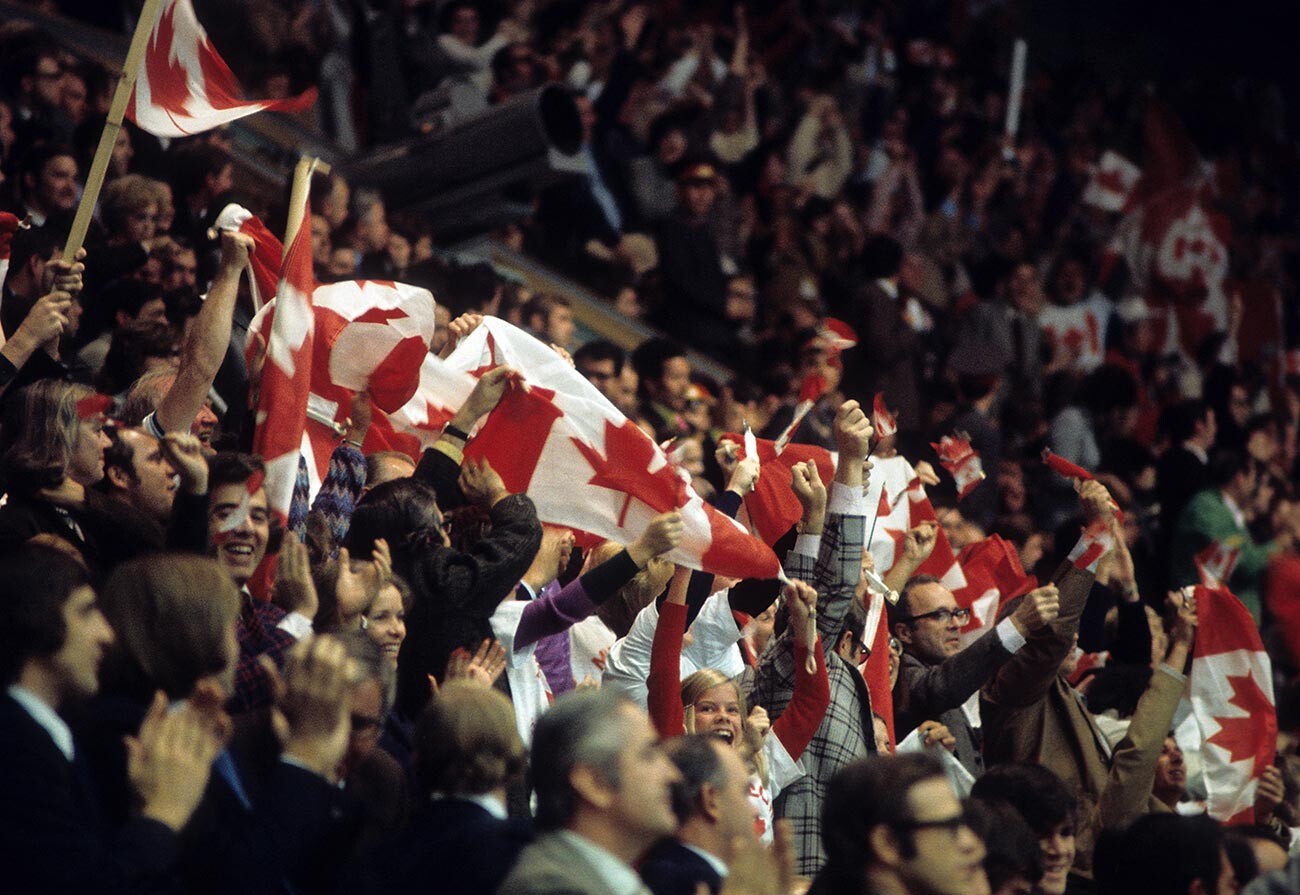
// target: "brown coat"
[[1032, 714]]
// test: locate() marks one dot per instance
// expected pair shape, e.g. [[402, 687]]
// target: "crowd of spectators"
[[821, 198]]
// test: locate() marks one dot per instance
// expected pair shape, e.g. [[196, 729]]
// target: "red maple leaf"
[[626, 469], [1245, 737], [168, 81], [381, 315]]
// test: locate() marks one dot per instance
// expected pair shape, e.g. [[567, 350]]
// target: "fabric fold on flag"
[[184, 87]]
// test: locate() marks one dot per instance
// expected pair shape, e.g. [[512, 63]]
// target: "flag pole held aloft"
[[107, 139]]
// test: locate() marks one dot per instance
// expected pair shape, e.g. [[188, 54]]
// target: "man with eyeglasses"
[[936, 675], [893, 824]]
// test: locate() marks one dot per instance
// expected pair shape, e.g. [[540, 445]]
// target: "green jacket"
[[1205, 520]]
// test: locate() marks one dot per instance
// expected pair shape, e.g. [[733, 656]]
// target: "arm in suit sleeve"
[[1027, 676], [478, 580], [1133, 766], [929, 691]]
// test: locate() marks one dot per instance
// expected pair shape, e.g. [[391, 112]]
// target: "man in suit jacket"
[[604, 797], [831, 560], [52, 840], [468, 752], [711, 801], [1032, 714], [936, 675]]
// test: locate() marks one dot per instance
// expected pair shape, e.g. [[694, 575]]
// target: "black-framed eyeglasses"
[[942, 616], [952, 824]]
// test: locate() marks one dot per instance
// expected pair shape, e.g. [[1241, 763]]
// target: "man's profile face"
[[675, 383], [930, 639], [87, 635], [153, 486], [56, 185], [240, 550], [642, 802]]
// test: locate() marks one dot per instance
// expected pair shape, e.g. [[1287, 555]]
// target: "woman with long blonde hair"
[[709, 702]]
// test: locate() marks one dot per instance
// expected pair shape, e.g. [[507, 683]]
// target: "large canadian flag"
[[184, 87], [286, 375], [1232, 702], [772, 507], [560, 441]]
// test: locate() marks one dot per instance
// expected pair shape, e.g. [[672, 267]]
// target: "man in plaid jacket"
[[831, 560]]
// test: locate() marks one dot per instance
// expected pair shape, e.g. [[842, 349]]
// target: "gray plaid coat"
[[845, 731]]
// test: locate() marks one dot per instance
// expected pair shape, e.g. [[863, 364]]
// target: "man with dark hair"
[[885, 359], [604, 797], [601, 362], [711, 801], [936, 674], [1032, 714], [52, 640], [665, 376], [1012, 861], [48, 178], [201, 175], [1192, 430], [124, 302], [549, 317], [1165, 854], [239, 531], [1215, 520], [1047, 805], [137, 471], [894, 824]]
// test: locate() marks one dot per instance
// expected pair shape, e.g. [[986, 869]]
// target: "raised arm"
[[664, 699], [205, 349]]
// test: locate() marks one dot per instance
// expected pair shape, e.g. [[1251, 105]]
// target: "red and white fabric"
[[559, 440], [962, 462], [1078, 329], [1216, 563], [771, 508], [994, 576], [267, 255], [884, 422], [184, 87], [286, 375], [1112, 182], [1173, 238], [901, 504], [1231, 692], [1092, 545]]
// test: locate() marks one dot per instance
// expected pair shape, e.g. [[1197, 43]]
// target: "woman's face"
[[386, 622], [717, 713]]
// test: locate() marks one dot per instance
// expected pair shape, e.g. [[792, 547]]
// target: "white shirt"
[[618, 877], [45, 716]]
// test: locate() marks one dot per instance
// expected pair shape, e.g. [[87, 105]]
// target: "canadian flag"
[[1216, 563], [771, 508], [961, 460], [901, 504], [9, 224], [1172, 238], [369, 335], [286, 375], [1112, 182], [267, 255], [1231, 692], [586, 466], [994, 576], [884, 422], [875, 671], [184, 87]]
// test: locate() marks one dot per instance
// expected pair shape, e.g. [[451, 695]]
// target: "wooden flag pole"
[[107, 139], [299, 194]]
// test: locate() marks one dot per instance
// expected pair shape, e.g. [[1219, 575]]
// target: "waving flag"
[[267, 255], [771, 508], [286, 375], [184, 87], [1231, 686], [585, 465], [994, 576], [1112, 182], [884, 422], [961, 460], [901, 504]]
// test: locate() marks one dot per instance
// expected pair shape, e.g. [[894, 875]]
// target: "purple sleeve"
[[553, 655], [553, 611]]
